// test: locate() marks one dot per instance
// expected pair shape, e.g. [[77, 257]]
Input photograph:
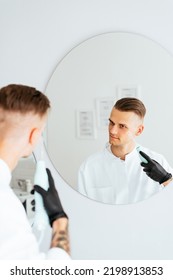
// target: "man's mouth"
[[114, 137]]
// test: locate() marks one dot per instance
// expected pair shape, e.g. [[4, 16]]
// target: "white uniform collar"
[[5, 173], [128, 156]]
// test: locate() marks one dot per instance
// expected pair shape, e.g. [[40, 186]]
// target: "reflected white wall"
[[35, 36]]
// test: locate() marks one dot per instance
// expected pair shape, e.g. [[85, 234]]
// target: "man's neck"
[[122, 151], [6, 155]]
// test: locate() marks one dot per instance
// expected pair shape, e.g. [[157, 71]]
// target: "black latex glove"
[[154, 170], [51, 200]]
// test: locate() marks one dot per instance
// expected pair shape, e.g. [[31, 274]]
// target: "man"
[[115, 175], [23, 114]]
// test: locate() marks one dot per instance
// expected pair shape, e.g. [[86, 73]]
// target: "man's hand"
[[154, 170], [51, 200]]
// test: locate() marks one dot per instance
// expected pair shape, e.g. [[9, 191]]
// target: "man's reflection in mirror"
[[124, 172]]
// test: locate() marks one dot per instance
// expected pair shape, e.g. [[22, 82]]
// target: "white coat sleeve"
[[17, 240], [82, 181]]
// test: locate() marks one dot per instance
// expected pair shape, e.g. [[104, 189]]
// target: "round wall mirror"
[[86, 84]]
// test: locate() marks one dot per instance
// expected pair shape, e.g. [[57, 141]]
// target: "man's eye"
[[122, 126]]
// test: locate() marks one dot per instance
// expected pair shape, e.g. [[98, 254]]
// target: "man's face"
[[124, 127]]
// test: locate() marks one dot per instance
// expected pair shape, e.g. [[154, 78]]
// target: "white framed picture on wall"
[[128, 90], [103, 109], [85, 124]]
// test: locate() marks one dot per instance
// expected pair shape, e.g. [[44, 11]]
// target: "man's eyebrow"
[[111, 121], [119, 123]]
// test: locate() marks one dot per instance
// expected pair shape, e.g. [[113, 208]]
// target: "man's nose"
[[114, 129]]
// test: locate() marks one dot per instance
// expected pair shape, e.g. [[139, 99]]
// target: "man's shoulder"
[[95, 158]]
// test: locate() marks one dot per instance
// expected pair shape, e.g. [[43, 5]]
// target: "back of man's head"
[[131, 104], [23, 99], [23, 114]]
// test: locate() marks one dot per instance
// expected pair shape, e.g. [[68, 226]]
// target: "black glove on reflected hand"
[[51, 200], [154, 170]]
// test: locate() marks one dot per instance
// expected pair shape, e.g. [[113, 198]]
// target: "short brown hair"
[[131, 104], [23, 99]]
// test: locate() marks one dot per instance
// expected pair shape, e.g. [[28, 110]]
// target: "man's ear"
[[34, 136], [139, 130]]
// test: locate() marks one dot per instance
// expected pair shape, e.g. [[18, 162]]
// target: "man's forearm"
[[167, 182], [60, 236]]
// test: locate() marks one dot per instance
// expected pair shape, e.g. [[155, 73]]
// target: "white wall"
[[35, 35]]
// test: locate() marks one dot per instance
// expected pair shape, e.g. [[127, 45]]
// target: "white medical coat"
[[108, 179], [16, 238]]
